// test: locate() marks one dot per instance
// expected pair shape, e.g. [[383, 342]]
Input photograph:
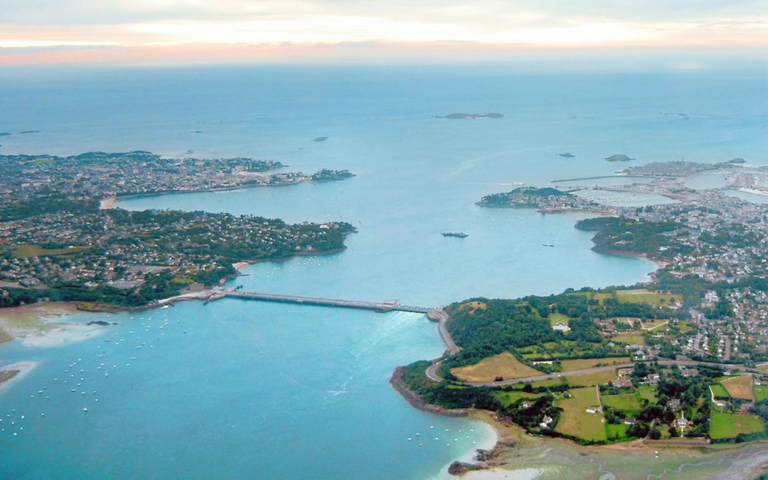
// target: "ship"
[[455, 234]]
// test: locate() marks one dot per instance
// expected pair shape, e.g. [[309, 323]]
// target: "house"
[[561, 327], [674, 403], [623, 382], [545, 421], [593, 409]]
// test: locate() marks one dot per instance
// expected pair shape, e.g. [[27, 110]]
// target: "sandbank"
[[61, 334], [22, 367], [43, 324]]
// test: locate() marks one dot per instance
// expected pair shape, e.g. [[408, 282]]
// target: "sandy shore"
[[22, 367], [239, 265], [44, 325], [521, 456], [107, 203]]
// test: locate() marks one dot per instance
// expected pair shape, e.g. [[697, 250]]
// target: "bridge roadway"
[[324, 302]]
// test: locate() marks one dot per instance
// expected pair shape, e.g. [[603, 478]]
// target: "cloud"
[[189, 24]]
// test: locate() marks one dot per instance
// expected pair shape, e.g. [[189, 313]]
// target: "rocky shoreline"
[[416, 401]]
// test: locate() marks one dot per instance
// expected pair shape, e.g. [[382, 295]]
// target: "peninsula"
[[57, 244], [681, 360]]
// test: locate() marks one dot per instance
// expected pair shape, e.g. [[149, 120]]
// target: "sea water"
[[245, 389]]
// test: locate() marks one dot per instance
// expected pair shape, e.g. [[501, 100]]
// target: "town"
[[58, 243], [682, 355]]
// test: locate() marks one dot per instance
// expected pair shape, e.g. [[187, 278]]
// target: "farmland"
[[739, 387], [576, 422], [503, 365], [630, 338], [729, 425], [627, 402], [582, 364], [592, 379]]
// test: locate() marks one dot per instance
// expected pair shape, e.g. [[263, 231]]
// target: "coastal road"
[[442, 328], [432, 372]]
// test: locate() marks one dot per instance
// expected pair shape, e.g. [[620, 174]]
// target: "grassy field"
[[645, 296], [627, 402], [558, 318], [761, 392], [630, 338], [616, 431], [728, 425], [509, 398], [592, 379], [648, 392], [552, 382], [472, 306], [576, 421], [26, 251], [684, 328], [763, 368], [719, 391], [740, 387], [655, 324], [581, 364], [502, 365]]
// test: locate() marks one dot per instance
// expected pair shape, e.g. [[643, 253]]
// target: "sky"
[[158, 32]]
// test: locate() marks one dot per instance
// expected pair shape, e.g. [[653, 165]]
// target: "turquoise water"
[[243, 389]]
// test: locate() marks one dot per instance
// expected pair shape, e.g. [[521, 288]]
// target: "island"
[[681, 360], [619, 158], [472, 116], [59, 241], [455, 234], [545, 199], [566, 155]]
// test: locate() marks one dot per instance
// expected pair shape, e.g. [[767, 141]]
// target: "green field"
[[552, 382], [616, 431], [763, 368], [684, 328], [645, 296], [509, 398], [575, 420], [629, 338], [651, 325], [26, 251], [558, 318], [648, 392], [729, 425], [761, 392], [584, 363], [592, 379], [719, 391], [626, 403]]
